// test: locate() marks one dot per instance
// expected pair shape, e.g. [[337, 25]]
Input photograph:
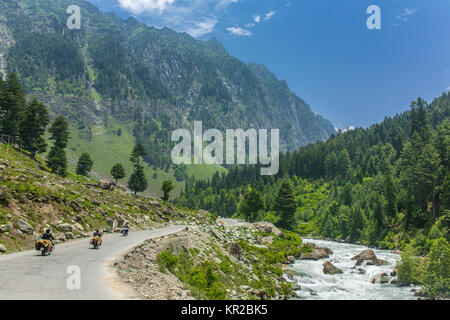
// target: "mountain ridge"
[[125, 65]]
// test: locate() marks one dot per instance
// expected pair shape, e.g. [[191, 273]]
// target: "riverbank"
[[232, 261], [355, 282]]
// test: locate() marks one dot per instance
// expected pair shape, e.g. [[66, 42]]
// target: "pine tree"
[[426, 176], [57, 160], [331, 165], [166, 188], [138, 181], [445, 193], [390, 192], [84, 165], [285, 206], [12, 106], [118, 172], [137, 153], [344, 164], [251, 204], [33, 126]]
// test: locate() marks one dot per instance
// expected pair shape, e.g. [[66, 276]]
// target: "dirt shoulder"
[[236, 262]]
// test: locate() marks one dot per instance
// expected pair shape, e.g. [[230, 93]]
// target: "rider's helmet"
[[48, 230], [96, 231]]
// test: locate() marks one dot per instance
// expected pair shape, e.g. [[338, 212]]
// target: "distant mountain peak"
[[136, 73]]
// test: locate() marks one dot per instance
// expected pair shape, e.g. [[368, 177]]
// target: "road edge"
[[111, 279]]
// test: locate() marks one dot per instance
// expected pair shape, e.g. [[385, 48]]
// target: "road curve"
[[27, 275]]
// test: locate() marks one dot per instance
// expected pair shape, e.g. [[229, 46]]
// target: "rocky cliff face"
[[130, 70]]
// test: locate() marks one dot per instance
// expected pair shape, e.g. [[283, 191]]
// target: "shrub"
[[436, 277], [407, 268], [167, 261]]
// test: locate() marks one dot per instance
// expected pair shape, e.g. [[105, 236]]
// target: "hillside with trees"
[[386, 186]]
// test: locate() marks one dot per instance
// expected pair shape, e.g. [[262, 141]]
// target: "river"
[[351, 285]]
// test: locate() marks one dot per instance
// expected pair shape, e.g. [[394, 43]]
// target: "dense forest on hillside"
[[388, 185], [152, 79]]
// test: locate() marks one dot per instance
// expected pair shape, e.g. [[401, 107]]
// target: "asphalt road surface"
[[74, 271]]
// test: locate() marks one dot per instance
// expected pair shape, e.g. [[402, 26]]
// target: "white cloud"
[[195, 17], [225, 3], [203, 27], [269, 15], [257, 18], [239, 31], [403, 15], [141, 6]]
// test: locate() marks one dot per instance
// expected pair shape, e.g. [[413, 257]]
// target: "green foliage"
[[138, 181], [118, 172], [166, 188], [180, 172], [251, 204], [436, 278], [285, 206], [56, 159], [408, 267], [166, 260], [431, 271], [84, 165], [202, 278], [33, 126]]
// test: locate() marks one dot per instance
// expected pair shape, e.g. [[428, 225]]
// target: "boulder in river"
[[316, 253], [377, 262], [329, 268], [291, 259], [367, 254], [380, 278], [290, 273]]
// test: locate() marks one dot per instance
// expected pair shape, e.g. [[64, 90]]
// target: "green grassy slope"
[[107, 149], [72, 207]]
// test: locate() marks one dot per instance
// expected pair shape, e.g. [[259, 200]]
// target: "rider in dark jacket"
[[125, 228], [48, 236], [97, 234]]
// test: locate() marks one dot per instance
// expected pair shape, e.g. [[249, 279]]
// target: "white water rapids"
[[351, 285]]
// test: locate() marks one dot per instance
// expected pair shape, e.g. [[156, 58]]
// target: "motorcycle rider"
[[48, 236], [125, 228], [97, 234]]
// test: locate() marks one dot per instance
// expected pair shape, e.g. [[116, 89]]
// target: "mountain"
[[156, 79]]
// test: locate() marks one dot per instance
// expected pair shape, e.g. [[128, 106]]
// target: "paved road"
[[27, 275]]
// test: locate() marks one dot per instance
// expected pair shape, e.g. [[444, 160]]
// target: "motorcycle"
[[124, 232], [96, 242], [44, 246]]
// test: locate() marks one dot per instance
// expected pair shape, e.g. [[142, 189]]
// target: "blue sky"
[[351, 75]]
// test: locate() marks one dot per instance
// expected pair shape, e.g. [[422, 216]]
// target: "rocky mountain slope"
[[138, 74], [32, 199], [218, 261]]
